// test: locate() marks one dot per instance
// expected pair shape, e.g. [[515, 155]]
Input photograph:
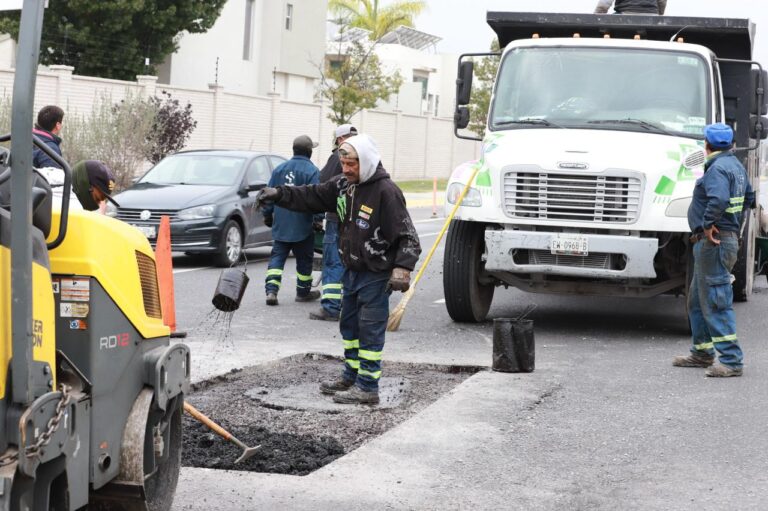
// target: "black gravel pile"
[[298, 442]]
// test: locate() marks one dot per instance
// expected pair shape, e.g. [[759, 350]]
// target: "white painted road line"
[[427, 235], [429, 220], [441, 300], [187, 270]]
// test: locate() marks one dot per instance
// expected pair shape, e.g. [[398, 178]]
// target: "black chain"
[[35, 449]]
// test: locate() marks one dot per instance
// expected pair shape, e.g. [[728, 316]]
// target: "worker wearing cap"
[[632, 6], [715, 217], [379, 248], [292, 231], [93, 183], [330, 301]]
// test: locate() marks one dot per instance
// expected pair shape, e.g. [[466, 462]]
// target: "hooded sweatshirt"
[[375, 230]]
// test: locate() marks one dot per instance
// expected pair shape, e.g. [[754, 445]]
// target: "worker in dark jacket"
[[330, 301], [632, 6], [715, 216], [47, 129], [379, 248], [292, 231]]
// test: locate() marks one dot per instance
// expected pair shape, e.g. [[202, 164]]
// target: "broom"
[[393, 324]]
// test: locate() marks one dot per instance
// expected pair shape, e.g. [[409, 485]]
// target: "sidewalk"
[[424, 199]]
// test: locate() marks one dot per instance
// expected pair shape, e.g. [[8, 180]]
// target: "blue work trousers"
[[710, 302], [363, 322], [303, 251], [332, 270]]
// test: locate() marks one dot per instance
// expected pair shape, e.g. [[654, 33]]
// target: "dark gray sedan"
[[210, 198]]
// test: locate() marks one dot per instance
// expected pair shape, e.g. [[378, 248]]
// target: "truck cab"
[[593, 144]]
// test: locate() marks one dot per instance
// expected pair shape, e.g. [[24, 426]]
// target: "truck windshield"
[[602, 88]]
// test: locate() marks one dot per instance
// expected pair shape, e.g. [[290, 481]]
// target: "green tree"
[[485, 76], [353, 81], [378, 20], [113, 38]]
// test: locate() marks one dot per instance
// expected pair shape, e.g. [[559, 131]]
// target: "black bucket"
[[230, 290], [514, 347]]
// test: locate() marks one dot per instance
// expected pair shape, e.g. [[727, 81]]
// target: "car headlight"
[[197, 212], [473, 199], [111, 210], [679, 207]]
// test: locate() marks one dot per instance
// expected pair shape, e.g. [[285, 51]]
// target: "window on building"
[[288, 16], [248, 35], [422, 78]]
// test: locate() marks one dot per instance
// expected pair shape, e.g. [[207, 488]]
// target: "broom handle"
[[445, 226]]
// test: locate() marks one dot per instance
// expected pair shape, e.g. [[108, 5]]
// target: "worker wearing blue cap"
[[715, 217]]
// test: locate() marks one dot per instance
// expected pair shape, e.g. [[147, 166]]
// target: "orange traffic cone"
[[164, 264]]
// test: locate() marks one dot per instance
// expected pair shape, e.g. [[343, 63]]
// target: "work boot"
[[721, 371], [323, 315], [357, 396], [309, 297], [693, 360], [333, 386], [271, 299]]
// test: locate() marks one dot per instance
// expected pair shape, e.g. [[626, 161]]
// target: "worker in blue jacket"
[[293, 231], [721, 198]]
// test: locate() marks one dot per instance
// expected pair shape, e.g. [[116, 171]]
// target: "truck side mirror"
[[461, 117], [758, 127], [464, 82], [759, 84]]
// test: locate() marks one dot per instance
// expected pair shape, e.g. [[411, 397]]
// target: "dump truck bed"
[[727, 38]]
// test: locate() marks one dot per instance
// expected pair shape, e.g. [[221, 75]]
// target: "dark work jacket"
[[720, 195], [375, 230], [39, 158], [332, 169], [636, 6]]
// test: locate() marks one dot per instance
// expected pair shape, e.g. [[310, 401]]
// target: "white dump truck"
[[593, 143]]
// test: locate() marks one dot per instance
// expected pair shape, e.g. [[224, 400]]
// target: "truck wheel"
[[744, 270], [230, 245], [466, 299]]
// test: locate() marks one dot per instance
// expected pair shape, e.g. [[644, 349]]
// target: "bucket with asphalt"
[[514, 344]]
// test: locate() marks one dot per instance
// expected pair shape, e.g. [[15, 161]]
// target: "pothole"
[[279, 407]]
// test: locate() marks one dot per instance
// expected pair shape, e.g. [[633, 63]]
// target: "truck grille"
[[579, 198], [591, 261], [134, 215]]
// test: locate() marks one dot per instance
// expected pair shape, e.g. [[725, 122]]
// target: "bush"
[[171, 128]]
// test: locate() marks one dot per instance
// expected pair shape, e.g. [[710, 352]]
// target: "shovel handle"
[[197, 414]]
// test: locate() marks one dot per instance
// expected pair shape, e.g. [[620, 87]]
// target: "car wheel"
[[231, 245]]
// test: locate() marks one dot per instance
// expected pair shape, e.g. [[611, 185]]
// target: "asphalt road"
[[605, 421]]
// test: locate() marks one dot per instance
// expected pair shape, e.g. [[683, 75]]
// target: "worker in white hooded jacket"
[[379, 247]]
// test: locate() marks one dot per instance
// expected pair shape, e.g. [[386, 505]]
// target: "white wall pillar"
[[147, 84], [274, 114], [63, 81], [217, 91]]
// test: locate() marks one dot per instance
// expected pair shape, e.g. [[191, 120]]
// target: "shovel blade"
[[248, 452]]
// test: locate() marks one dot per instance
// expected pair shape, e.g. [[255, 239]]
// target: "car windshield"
[[602, 88], [195, 169]]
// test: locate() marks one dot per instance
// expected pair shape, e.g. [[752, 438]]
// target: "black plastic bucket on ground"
[[513, 345], [230, 289]]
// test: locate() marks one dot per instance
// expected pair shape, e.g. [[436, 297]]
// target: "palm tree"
[[368, 15]]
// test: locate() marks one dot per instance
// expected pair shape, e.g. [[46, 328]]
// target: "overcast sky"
[[461, 23]]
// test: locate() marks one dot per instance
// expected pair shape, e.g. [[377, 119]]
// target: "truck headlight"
[[473, 199], [678, 208], [197, 212], [111, 210]]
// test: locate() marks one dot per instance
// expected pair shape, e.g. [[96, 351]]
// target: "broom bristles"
[[393, 323]]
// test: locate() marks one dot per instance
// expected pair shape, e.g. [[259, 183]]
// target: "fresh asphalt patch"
[[278, 406]]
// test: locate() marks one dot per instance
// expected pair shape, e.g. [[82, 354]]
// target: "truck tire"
[[744, 270], [466, 299]]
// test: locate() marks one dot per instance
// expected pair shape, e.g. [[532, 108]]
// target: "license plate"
[[569, 245], [150, 231]]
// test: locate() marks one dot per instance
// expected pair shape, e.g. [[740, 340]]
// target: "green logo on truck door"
[[666, 185]]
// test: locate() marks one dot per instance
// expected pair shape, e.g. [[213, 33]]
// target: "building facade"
[[256, 47]]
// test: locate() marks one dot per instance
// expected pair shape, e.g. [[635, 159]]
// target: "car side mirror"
[[253, 187]]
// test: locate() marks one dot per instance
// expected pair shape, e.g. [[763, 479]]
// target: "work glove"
[[400, 280], [267, 196], [268, 220]]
